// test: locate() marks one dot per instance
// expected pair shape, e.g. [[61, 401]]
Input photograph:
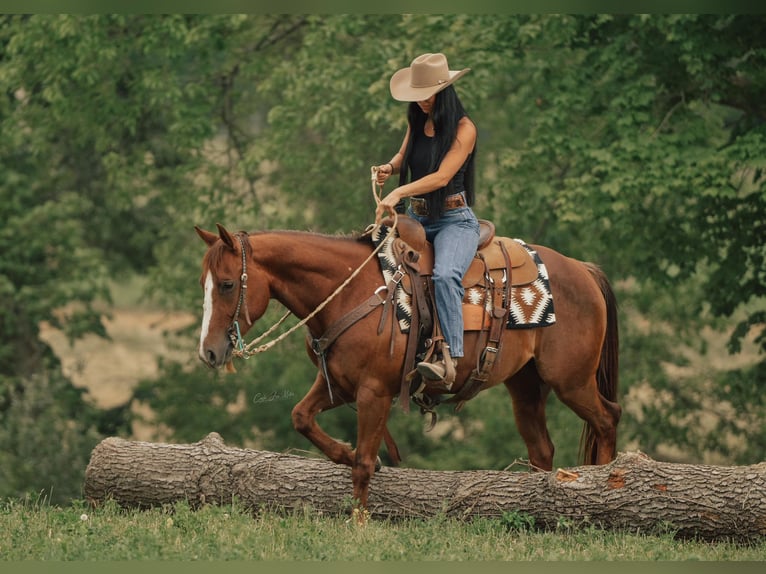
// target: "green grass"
[[35, 531]]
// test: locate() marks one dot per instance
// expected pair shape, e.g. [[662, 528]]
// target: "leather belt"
[[420, 207]]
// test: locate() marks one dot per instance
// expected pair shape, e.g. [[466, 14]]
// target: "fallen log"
[[633, 493]]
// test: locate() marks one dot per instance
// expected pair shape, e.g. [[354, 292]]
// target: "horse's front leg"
[[373, 407], [304, 420]]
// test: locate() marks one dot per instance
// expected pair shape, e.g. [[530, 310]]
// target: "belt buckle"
[[454, 202], [419, 206]]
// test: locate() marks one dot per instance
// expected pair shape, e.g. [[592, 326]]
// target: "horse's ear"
[[226, 237], [206, 236]]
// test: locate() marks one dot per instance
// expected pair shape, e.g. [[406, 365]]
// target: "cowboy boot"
[[443, 371]]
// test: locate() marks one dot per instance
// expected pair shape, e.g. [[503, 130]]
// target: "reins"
[[244, 351]]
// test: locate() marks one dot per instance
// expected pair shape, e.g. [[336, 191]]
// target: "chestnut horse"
[[576, 356]]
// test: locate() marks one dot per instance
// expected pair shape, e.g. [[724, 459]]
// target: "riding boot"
[[443, 371]]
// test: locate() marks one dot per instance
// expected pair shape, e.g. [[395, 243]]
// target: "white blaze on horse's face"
[[207, 313]]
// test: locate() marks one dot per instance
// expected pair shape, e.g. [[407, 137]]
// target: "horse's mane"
[[219, 249], [359, 236]]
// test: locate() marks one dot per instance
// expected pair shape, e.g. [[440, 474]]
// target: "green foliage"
[[717, 420], [42, 271], [46, 435], [520, 521]]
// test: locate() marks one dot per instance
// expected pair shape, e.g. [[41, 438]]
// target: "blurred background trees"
[[635, 141]]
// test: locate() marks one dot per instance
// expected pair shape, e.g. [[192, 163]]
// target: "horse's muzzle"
[[215, 359]]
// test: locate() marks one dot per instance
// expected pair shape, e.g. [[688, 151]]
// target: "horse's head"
[[231, 300]]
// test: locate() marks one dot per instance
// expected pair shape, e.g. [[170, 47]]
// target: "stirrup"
[[442, 371], [432, 371]]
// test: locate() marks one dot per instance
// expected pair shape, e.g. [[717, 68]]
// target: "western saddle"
[[500, 264]]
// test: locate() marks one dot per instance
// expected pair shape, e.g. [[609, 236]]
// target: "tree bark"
[[633, 493]]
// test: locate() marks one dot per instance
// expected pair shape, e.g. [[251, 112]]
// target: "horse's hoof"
[[378, 463], [359, 516]]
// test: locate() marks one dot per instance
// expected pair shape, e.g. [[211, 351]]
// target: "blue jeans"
[[455, 237]]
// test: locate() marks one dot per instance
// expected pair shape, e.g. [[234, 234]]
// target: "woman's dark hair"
[[447, 112]]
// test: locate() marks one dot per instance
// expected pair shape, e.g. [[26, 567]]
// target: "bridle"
[[235, 334], [245, 351]]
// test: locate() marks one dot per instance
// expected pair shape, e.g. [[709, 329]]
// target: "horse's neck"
[[305, 268]]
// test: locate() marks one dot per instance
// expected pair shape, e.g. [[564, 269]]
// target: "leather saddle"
[[500, 264], [489, 254]]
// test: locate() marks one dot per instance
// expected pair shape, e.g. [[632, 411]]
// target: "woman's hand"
[[387, 204], [383, 172]]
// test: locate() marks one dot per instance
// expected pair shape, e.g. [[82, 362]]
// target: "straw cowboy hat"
[[427, 75]]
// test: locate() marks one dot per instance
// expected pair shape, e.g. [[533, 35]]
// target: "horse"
[[576, 357]]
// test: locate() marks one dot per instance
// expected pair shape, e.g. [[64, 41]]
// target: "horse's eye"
[[227, 286]]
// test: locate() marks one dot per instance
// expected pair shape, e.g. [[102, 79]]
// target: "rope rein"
[[246, 351]]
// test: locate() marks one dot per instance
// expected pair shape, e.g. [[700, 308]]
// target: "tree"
[[103, 119]]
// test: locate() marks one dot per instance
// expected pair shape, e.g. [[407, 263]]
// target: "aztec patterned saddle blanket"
[[486, 281]]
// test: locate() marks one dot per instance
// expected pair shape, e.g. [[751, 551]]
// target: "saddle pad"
[[523, 266], [531, 303], [388, 267]]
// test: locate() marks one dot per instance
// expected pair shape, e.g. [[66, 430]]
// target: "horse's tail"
[[607, 375]]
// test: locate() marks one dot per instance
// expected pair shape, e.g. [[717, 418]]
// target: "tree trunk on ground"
[[632, 493]]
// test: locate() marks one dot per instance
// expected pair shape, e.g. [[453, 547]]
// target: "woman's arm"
[[453, 160]]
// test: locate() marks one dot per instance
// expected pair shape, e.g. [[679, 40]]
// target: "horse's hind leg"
[[304, 421], [529, 392], [600, 415]]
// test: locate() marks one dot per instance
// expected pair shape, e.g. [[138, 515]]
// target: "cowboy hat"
[[427, 75]]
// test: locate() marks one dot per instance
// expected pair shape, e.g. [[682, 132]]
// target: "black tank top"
[[423, 154]]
